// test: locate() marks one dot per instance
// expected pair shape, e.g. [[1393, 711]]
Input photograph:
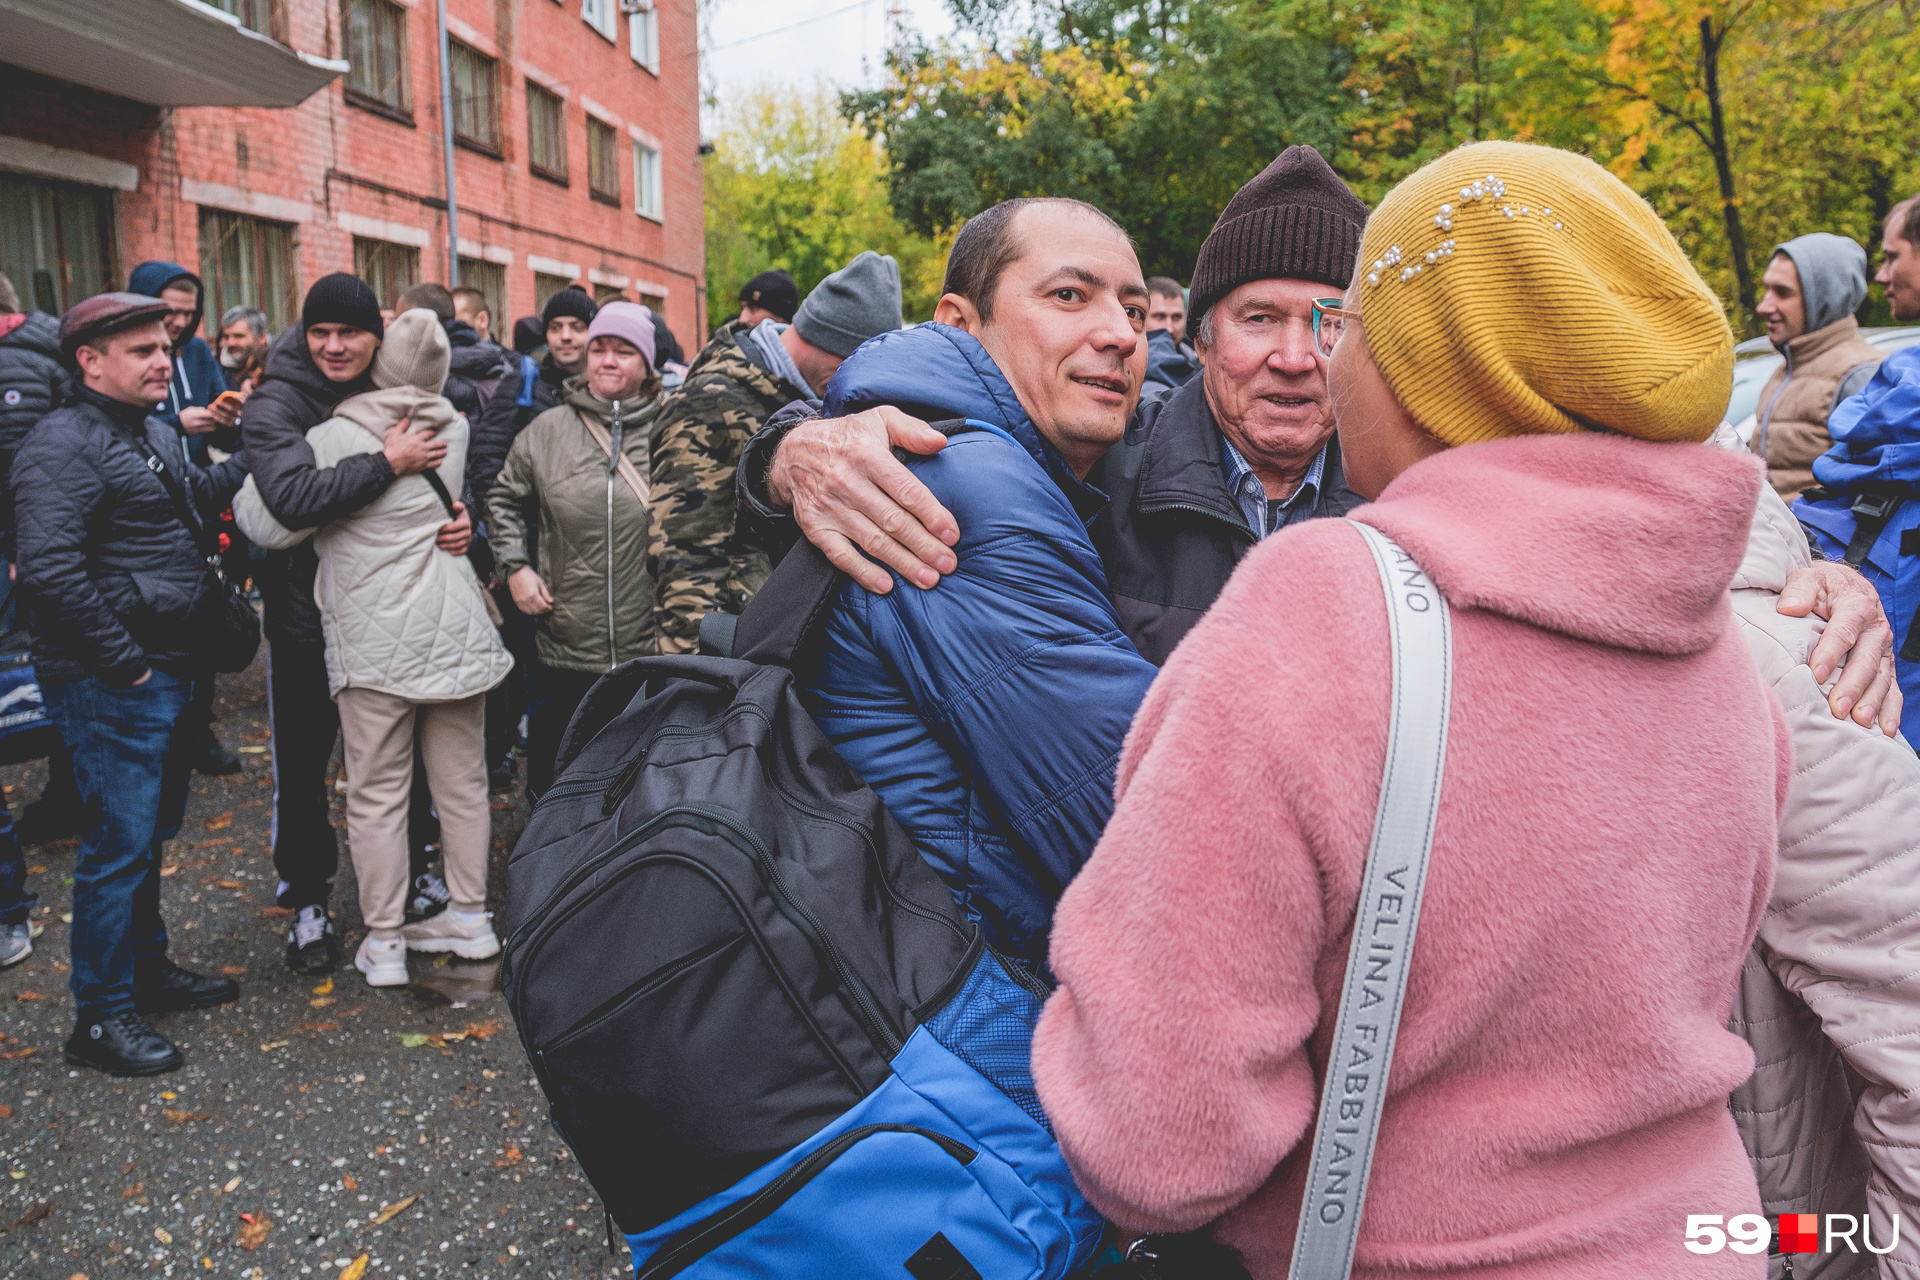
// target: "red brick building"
[[266, 143]]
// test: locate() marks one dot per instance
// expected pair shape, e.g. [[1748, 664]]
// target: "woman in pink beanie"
[[1557, 1104]]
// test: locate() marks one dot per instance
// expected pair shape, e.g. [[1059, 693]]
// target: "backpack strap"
[[529, 376], [791, 607], [1871, 513], [1421, 638]]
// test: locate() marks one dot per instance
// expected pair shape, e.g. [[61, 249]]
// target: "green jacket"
[[602, 606], [701, 560]]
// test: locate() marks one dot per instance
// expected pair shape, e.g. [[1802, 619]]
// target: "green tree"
[[790, 184]]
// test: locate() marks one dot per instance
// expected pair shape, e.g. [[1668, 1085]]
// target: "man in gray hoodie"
[[1814, 284]]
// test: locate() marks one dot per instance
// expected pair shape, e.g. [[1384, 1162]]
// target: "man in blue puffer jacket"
[[989, 714]]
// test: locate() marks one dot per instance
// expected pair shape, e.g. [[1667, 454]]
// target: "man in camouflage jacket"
[[704, 559]]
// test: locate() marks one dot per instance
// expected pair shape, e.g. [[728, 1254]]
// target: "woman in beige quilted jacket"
[[410, 647], [571, 530]]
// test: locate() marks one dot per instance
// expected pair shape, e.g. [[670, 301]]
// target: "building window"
[[54, 242], [546, 133], [646, 181], [255, 15], [643, 38], [249, 262], [545, 286], [377, 48], [605, 293], [654, 303], [476, 98], [603, 162], [601, 15], [490, 278], [391, 269]]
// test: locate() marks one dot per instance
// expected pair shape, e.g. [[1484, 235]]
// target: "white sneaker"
[[16, 942], [468, 939], [384, 963]]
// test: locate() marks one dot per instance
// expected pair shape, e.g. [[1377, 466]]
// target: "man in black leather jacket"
[[119, 599]]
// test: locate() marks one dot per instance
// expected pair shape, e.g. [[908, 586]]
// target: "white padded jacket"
[[1830, 998]]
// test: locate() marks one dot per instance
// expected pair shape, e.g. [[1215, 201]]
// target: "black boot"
[[312, 945], [168, 988], [215, 760], [49, 819], [121, 1044]]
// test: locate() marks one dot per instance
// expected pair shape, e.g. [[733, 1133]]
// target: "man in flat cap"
[[117, 594]]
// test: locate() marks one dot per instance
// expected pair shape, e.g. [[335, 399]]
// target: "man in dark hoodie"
[[311, 368], [197, 380]]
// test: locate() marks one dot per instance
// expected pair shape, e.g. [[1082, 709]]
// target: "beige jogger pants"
[[377, 730]]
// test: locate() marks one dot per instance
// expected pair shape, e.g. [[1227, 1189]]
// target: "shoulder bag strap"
[[182, 505], [1355, 1092], [604, 439]]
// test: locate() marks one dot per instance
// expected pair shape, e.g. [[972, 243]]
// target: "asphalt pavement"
[[317, 1123]]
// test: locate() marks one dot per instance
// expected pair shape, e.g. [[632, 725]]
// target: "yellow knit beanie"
[[1510, 289]]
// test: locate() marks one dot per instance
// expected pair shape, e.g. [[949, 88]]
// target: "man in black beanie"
[[771, 295], [311, 368], [1202, 474]]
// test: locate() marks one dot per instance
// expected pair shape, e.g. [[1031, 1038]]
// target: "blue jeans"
[[135, 790], [16, 904]]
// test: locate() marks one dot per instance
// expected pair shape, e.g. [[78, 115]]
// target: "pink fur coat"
[[1605, 844]]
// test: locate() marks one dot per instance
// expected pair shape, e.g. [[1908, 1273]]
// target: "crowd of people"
[[1108, 656]]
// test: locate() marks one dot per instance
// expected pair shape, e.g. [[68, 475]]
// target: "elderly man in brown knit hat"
[[1206, 472]]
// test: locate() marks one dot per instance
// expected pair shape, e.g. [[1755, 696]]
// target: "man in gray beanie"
[[1814, 284], [733, 387]]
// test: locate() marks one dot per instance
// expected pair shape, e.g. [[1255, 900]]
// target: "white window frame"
[[647, 200], [643, 36], [602, 16]]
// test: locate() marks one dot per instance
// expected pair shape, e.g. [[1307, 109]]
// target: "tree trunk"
[[1710, 45]]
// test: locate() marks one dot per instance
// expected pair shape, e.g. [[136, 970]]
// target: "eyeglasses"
[[1329, 322]]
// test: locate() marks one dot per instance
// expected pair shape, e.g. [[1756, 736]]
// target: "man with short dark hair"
[[197, 382], [1171, 362], [989, 714], [702, 559], [1900, 260], [771, 295], [478, 362], [311, 368], [470, 305], [118, 600]]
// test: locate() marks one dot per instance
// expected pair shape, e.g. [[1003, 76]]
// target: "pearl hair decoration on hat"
[[1510, 289]]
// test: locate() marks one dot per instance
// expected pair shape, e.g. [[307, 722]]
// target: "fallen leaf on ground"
[[230, 884], [276, 1044], [233, 970], [170, 870], [481, 1030], [27, 1219], [346, 1180], [252, 751], [513, 1156], [21, 1053], [163, 1235], [412, 1039], [319, 1026], [231, 1184], [66, 917], [358, 1267], [169, 1096], [325, 988], [6, 1112], [36, 871], [28, 995], [254, 1229], [220, 821], [186, 1117], [393, 1211], [133, 1191], [276, 911], [320, 1002]]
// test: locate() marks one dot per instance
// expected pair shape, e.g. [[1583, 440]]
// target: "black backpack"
[[772, 1039]]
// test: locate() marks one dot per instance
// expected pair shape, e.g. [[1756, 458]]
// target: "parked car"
[[1755, 360]]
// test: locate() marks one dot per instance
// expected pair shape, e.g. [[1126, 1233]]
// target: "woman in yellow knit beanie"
[[1510, 289]]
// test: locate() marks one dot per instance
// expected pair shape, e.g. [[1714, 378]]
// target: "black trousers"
[[507, 701], [557, 694], [305, 722]]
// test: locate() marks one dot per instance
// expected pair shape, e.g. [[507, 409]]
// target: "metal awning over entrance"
[[170, 53]]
